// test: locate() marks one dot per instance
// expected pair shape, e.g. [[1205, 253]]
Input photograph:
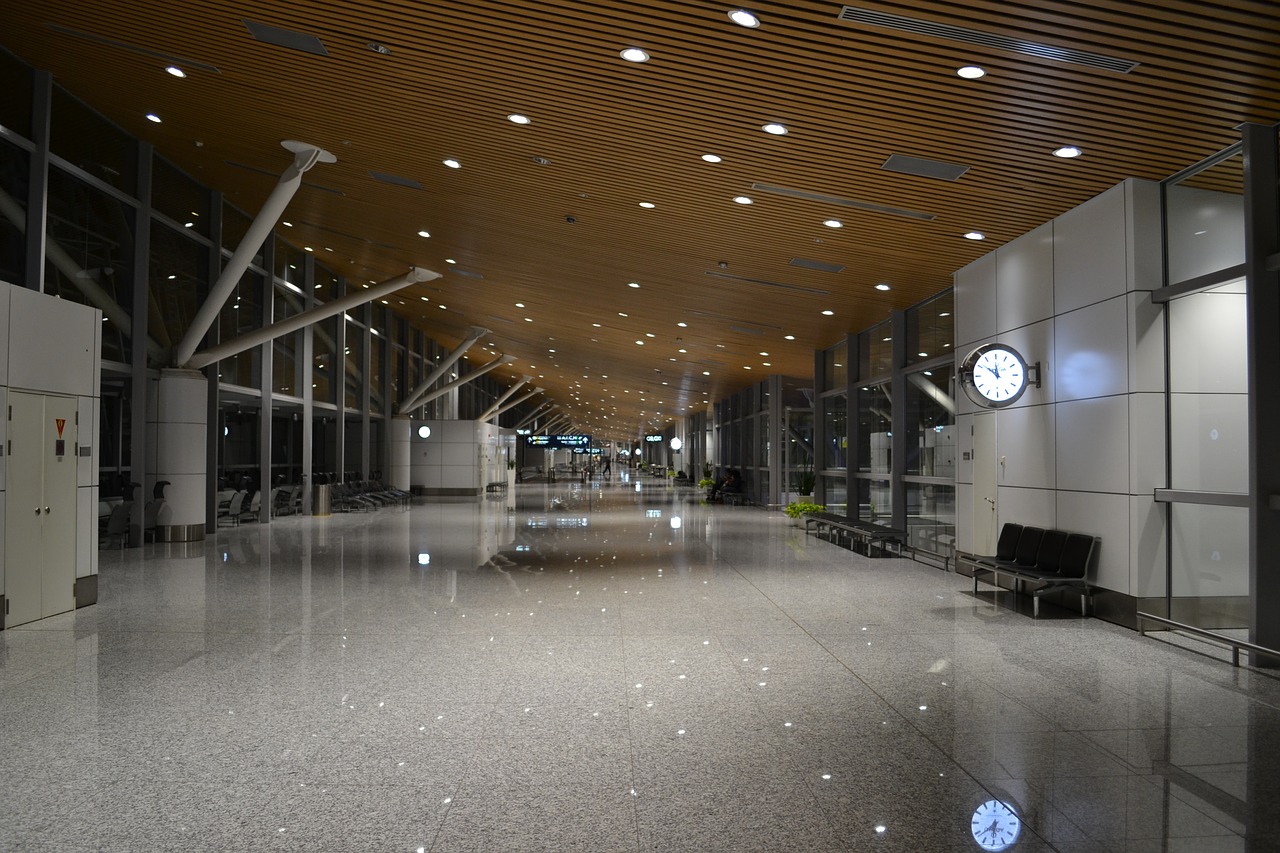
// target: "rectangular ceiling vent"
[[843, 202], [992, 40], [924, 168], [796, 287], [249, 168], [167, 58], [395, 179], [285, 38], [744, 330], [466, 273], [820, 266]]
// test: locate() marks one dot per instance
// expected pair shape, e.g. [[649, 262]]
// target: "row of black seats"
[[1055, 558]]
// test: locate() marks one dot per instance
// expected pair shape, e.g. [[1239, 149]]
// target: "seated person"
[[730, 485]]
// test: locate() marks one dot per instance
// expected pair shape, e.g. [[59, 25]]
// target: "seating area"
[[366, 496], [874, 539], [1054, 558]]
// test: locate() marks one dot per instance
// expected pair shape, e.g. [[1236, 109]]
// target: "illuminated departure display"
[[557, 442]]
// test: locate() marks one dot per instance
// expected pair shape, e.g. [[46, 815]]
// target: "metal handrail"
[[1236, 645]]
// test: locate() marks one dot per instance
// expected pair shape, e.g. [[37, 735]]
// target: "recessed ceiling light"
[[833, 223], [684, 350], [519, 304], [453, 164], [945, 314], [176, 71], [971, 72], [706, 373], [743, 18], [742, 199], [711, 158], [647, 204], [975, 235], [683, 325], [746, 367], [286, 223], [423, 298], [516, 118], [634, 54], [828, 312], [632, 284], [307, 249], [620, 314], [528, 319], [882, 286], [444, 307], [450, 261], [639, 343], [1066, 152], [153, 117], [424, 234], [789, 337], [767, 363], [775, 129], [764, 353]]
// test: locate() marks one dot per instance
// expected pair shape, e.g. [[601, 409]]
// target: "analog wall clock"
[[995, 375], [995, 826]]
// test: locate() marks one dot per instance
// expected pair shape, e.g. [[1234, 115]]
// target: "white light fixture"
[[789, 337], [971, 72], [683, 325], [676, 443], [633, 284], [153, 117], [634, 54], [741, 199], [516, 118], [424, 234], [775, 129], [743, 18], [1066, 152], [712, 158], [424, 431], [828, 313], [176, 71], [647, 204], [882, 286], [833, 223], [975, 235], [450, 261], [452, 163]]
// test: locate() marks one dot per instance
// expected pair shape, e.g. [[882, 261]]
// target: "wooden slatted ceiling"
[[617, 134]]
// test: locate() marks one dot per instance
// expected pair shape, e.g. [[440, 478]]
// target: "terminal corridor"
[[616, 667]]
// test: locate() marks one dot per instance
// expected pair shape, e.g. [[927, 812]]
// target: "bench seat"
[[1053, 558], [838, 529]]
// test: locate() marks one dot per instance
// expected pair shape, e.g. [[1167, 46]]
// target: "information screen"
[[558, 442]]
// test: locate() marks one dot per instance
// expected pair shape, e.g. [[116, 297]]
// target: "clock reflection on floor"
[[995, 826]]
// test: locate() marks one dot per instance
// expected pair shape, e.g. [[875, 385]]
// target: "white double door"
[[40, 507]]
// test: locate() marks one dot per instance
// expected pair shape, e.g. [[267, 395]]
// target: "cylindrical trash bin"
[[322, 499]]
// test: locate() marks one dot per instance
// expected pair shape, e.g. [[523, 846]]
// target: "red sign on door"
[[61, 422]]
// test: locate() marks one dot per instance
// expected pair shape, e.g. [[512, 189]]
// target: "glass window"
[[836, 367], [235, 224], [397, 376], [931, 439], [1210, 566], [875, 420], [242, 314], [87, 140], [323, 346], [15, 165], [325, 284], [178, 278], [179, 197], [835, 422], [835, 495], [353, 397], [377, 352], [1204, 221], [875, 352], [90, 256], [874, 500], [930, 328], [931, 517], [291, 263], [15, 94]]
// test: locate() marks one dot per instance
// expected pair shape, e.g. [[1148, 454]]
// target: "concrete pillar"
[[399, 435], [180, 430]]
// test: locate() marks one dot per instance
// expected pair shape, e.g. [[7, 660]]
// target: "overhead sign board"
[[557, 442], [653, 439]]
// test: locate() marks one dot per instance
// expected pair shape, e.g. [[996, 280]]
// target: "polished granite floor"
[[610, 669]]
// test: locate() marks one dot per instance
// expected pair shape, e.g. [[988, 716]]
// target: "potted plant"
[[803, 479], [706, 482], [795, 509]]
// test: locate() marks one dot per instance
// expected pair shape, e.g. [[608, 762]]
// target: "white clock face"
[[995, 826], [998, 375]]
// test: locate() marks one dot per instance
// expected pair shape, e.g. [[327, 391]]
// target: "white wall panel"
[[1208, 334], [2, 511], [1091, 352], [1093, 445], [1038, 507], [1209, 435], [4, 332], [1146, 444], [1106, 517], [86, 519], [458, 477], [61, 363], [1146, 343], [1145, 241], [1025, 438], [4, 439], [1035, 344], [975, 298], [1090, 259], [1147, 549], [1024, 279], [87, 436], [964, 448], [1206, 232], [1210, 550], [964, 513]]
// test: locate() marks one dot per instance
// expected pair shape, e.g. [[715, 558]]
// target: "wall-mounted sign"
[[653, 439], [557, 442]]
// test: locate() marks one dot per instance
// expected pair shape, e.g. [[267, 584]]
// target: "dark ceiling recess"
[[285, 38], [924, 168]]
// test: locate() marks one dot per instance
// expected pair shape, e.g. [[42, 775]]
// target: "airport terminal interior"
[[798, 427]]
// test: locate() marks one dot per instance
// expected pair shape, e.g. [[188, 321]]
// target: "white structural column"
[[497, 404], [305, 156], [399, 436], [473, 375], [509, 406], [542, 409], [414, 397], [178, 420]]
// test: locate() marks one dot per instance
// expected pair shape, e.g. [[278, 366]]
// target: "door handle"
[[37, 510], [46, 510]]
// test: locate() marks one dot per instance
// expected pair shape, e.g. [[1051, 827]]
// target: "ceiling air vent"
[[395, 179], [992, 40], [924, 168], [813, 290], [167, 58], [272, 174], [844, 202], [820, 266], [285, 38]]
